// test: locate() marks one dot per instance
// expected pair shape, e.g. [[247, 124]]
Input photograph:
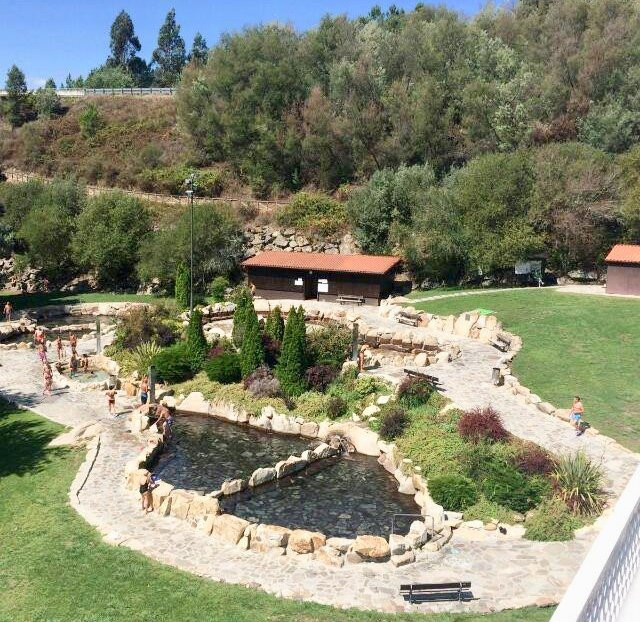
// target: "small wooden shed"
[[623, 269], [320, 276]]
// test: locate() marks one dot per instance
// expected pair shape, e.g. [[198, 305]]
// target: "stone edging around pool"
[[203, 511]]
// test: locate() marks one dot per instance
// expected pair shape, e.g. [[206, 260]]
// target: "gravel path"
[[505, 573]]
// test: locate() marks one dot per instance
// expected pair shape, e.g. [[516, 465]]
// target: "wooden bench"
[[502, 342], [408, 318], [430, 592], [344, 299], [432, 380]]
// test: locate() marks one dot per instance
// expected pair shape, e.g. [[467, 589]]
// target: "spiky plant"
[[579, 483], [139, 359]]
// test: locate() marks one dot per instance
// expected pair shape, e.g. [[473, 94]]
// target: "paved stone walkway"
[[504, 573]]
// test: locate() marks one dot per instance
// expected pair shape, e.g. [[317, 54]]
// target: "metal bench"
[[502, 342], [431, 592], [432, 380], [349, 299], [411, 319]]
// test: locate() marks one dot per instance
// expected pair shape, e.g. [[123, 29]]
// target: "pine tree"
[[50, 84], [291, 364], [183, 279], [243, 302], [275, 325], [196, 341], [252, 351], [170, 55], [17, 108], [199, 50], [124, 43]]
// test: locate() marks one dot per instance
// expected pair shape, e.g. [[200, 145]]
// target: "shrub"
[[414, 392], [291, 364], [393, 423], [140, 358], [482, 424], [533, 460], [453, 492], [224, 368], [262, 383], [551, 521], [312, 405], [90, 121], [251, 354], [486, 511], [336, 407], [173, 364], [243, 301], [182, 287], [218, 288], [144, 324], [274, 326], [313, 213], [196, 341], [271, 349], [506, 486], [579, 483], [329, 345], [319, 377], [369, 385]]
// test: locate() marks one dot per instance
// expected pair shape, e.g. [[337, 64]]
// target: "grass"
[[28, 301], [55, 568], [573, 344]]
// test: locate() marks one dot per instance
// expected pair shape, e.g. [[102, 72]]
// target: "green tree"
[[217, 247], [50, 84], [199, 50], [182, 287], [243, 302], [196, 341], [274, 326], [18, 108], [91, 121], [107, 239], [169, 57], [124, 43], [291, 364], [47, 103], [109, 77], [251, 351]]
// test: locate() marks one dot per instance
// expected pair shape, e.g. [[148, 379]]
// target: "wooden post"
[[152, 384]]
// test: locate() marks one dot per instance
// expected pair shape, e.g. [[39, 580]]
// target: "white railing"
[[132, 91], [601, 585]]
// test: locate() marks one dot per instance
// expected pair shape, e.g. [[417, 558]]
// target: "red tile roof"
[[624, 253], [321, 262]]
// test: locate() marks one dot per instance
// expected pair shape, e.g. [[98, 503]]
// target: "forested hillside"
[[464, 145]]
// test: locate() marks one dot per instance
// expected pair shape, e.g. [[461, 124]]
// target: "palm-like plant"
[[579, 483], [140, 358]]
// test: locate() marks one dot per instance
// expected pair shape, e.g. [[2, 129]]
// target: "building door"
[[310, 287]]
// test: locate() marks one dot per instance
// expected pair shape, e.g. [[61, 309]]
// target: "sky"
[[51, 38]]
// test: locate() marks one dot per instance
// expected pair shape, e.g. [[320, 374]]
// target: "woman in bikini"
[[48, 379], [60, 348], [111, 402]]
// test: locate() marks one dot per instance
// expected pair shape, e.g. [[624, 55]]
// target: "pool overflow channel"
[[341, 496]]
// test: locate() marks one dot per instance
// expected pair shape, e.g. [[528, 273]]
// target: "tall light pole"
[[190, 183]]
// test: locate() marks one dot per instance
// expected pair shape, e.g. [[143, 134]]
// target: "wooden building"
[[623, 269], [319, 276]]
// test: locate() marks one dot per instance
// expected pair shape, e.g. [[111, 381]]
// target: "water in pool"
[[342, 497], [85, 324], [91, 376]]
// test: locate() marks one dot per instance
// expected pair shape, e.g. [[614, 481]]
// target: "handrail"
[[110, 92], [599, 588]]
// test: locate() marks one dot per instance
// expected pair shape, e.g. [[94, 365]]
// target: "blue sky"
[[54, 37]]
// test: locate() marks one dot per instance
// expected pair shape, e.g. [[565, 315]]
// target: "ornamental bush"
[[183, 281], [224, 368], [394, 422], [551, 521], [510, 488], [173, 364], [453, 492], [251, 352], [329, 345], [274, 326], [336, 407], [414, 392], [143, 324], [534, 460], [262, 383], [291, 365], [243, 301], [319, 377], [218, 288], [579, 483], [482, 424], [196, 341]]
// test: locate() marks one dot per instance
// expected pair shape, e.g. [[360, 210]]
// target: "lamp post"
[[190, 183]]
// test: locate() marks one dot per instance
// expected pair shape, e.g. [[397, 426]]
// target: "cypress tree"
[[183, 279], [252, 351], [243, 302], [291, 365], [275, 325], [196, 341]]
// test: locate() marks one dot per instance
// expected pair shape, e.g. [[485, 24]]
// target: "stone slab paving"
[[505, 573]]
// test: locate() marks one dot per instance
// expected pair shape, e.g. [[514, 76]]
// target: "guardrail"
[[266, 206], [601, 585], [128, 92]]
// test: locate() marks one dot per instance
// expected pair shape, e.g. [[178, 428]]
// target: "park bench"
[[404, 317], [502, 342], [430, 592], [432, 380], [349, 299]]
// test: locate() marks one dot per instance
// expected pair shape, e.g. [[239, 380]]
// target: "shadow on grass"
[[23, 442]]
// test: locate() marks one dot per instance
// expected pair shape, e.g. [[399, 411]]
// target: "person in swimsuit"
[[60, 348], [145, 493], [577, 412], [144, 390], [73, 342], [84, 363], [111, 401], [42, 353], [8, 309], [73, 365], [48, 379]]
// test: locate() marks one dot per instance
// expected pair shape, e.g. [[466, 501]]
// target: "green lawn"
[[55, 568], [573, 344], [28, 301]]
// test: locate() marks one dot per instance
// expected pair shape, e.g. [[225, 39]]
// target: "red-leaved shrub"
[[482, 424], [534, 460], [319, 377]]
